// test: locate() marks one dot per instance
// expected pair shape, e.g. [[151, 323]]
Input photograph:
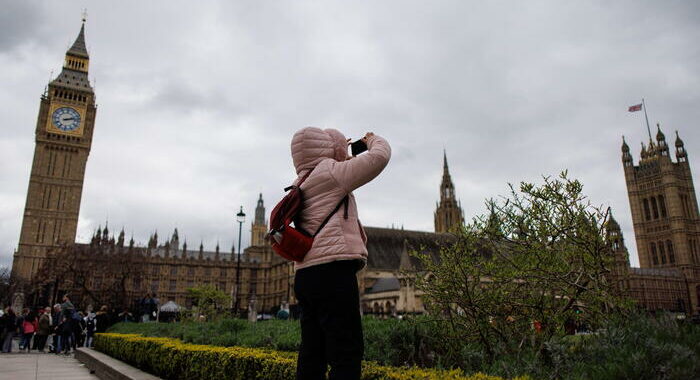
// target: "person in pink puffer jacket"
[[325, 283]]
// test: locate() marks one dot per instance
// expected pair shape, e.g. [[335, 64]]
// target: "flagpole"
[[647, 118]]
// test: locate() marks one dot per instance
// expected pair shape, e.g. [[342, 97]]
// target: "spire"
[[78, 49], [445, 168], [175, 241], [446, 187], [448, 214], [662, 147], [681, 154], [260, 212], [612, 224], [626, 156], [659, 135], [679, 142], [120, 241], [625, 147]]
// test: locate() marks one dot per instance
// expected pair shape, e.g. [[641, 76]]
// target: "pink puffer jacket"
[[334, 177]]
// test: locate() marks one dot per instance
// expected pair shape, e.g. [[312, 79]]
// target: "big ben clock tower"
[[63, 138]]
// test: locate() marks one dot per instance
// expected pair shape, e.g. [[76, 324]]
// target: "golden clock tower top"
[[75, 66]]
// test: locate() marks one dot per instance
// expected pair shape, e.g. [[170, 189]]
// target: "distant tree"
[[98, 273], [5, 286], [209, 301], [537, 260]]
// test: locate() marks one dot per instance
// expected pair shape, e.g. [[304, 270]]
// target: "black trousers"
[[331, 327], [40, 342]]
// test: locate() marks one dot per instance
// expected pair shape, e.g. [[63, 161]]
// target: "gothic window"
[[155, 270], [662, 206], [190, 271], [154, 286], [190, 284], [654, 258], [662, 252], [654, 208], [207, 271], [222, 286], [137, 284], [173, 271], [684, 205], [671, 255], [647, 214], [222, 272], [173, 285]]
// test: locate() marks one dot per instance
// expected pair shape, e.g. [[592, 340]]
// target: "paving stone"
[[41, 366]]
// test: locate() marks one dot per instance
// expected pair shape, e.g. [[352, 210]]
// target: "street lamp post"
[[240, 217]]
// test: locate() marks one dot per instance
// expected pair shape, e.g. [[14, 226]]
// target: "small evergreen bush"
[[172, 359]]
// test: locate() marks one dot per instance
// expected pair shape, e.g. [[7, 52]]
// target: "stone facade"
[[666, 227]]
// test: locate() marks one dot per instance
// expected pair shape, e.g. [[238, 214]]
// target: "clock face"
[[66, 119]]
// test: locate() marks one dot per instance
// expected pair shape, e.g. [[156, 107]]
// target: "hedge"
[[172, 359]]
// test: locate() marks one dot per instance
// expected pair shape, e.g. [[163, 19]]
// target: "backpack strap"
[[343, 201], [301, 181]]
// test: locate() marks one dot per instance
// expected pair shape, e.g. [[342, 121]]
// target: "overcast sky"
[[197, 101]]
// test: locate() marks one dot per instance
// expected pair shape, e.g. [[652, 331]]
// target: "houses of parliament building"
[[661, 194]]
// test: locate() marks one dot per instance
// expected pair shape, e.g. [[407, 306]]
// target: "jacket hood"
[[312, 145]]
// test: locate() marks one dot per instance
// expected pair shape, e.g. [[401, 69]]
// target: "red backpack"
[[292, 242]]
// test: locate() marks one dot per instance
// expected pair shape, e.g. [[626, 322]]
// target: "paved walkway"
[[38, 366]]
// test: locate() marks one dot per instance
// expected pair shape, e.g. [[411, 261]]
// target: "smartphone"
[[358, 147]]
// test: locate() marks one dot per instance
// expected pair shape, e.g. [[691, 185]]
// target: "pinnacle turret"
[[448, 214], [78, 49]]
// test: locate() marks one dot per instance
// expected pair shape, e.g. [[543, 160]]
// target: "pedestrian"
[[44, 329], [90, 322], [8, 329], [79, 329], [35, 342], [67, 325], [56, 320], [102, 320], [29, 327], [325, 282]]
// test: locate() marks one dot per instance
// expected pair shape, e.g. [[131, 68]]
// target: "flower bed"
[[172, 359]]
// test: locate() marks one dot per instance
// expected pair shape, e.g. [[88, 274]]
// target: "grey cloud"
[[198, 103]]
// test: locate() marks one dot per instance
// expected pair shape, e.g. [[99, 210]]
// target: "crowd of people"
[[60, 329]]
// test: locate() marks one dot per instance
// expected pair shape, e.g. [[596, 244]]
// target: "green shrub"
[[172, 359], [638, 346]]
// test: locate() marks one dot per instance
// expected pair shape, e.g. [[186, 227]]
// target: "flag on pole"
[[635, 108]]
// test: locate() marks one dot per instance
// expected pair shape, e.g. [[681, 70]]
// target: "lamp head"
[[240, 217]]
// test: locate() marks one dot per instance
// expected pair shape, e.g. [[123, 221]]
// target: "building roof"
[[386, 245], [385, 284], [78, 49]]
